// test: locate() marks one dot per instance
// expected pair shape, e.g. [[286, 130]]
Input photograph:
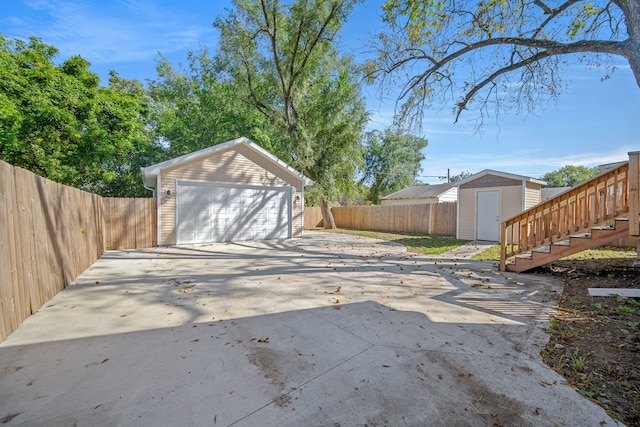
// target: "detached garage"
[[229, 192], [488, 198]]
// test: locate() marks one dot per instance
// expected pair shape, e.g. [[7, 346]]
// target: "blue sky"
[[592, 123]]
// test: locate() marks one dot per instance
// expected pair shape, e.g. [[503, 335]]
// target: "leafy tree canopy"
[[496, 54], [197, 107], [57, 122], [284, 61], [392, 162], [569, 176]]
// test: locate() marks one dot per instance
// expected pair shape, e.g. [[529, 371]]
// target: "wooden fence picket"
[[50, 233]]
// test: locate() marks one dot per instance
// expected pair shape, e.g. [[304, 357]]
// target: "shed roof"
[[150, 173], [419, 192], [500, 174]]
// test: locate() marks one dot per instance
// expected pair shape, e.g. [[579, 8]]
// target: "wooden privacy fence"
[[50, 233], [432, 218]]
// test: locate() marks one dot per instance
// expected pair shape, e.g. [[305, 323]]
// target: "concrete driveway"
[[327, 330]]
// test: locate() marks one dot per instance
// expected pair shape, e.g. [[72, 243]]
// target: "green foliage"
[[460, 176], [57, 122], [569, 176], [391, 161], [196, 108], [284, 63]]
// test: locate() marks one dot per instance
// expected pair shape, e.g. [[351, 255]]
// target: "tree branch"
[[550, 46], [462, 105]]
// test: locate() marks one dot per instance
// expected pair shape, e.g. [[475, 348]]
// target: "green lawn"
[[611, 255], [421, 244]]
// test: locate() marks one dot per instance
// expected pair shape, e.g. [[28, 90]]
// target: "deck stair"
[[576, 243], [592, 214]]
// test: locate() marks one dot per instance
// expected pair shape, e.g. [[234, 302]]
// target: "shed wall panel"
[[239, 165], [532, 195], [467, 214], [511, 202]]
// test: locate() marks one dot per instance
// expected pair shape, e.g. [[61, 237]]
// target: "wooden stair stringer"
[[598, 237]]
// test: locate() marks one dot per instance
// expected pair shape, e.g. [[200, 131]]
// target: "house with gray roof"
[[422, 194]]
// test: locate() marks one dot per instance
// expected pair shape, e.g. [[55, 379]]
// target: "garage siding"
[[238, 165]]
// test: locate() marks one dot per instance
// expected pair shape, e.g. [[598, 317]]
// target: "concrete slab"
[[325, 330]]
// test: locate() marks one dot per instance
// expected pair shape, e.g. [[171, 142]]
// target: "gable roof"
[[150, 173], [502, 175], [419, 192]]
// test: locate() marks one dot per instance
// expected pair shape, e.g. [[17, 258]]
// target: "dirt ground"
[[595, 341]]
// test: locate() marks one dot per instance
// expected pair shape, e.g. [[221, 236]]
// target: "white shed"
[[488, 198], [421, 194]]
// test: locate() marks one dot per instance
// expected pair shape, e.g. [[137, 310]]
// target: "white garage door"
[[226, 213]]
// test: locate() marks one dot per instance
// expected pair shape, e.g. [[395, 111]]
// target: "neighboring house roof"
[[548, 193], [500, 174], [419, 192], [150, 173], [609, 166]]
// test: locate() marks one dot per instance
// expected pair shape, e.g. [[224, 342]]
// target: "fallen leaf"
[[264, 340], [186, 289]]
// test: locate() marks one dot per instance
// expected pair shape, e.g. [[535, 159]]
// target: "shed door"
[[226, 213], [488, 216]]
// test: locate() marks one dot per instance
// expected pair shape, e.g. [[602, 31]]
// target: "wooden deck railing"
[[593, 203]]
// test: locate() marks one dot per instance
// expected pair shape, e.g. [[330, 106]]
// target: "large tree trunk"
[[327, 216], [631, 9]]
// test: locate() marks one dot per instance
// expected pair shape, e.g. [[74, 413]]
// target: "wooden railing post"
[[503, 246], [634, 193]]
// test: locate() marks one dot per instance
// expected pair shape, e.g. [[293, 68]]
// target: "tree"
[[460, 176], [569, 176], [510, 52], [391, 161], [57, 122], [285, 60], [196, 108]]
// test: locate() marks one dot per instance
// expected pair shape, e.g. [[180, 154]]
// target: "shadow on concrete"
[[330, 330]]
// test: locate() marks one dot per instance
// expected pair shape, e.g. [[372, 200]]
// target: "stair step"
[[575, 243]]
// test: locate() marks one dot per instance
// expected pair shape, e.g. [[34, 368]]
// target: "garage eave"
[[150, 173]]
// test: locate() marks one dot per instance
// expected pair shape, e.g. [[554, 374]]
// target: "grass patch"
[[418, 243], [605, 256], [491, 254]]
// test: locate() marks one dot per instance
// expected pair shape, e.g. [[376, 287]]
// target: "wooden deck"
[[592, 214]]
